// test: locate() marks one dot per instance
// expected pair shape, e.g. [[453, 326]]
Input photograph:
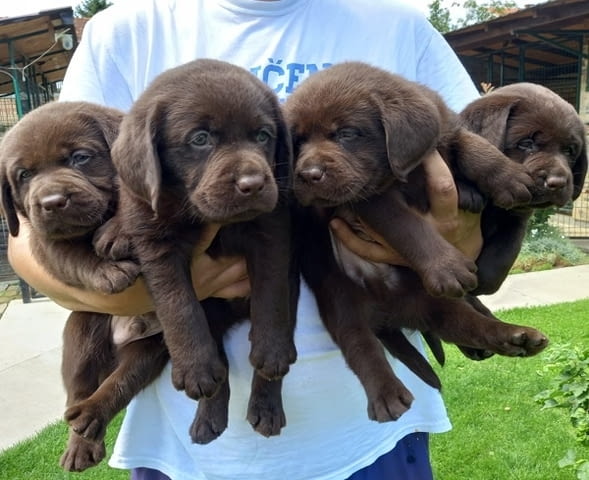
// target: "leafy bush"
[[545, 247], [569, 389], [538, 225]]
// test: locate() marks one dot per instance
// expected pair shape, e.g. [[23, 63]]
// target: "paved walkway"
[[31, 392]]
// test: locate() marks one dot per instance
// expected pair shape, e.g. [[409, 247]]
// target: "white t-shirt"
[[328, 434]]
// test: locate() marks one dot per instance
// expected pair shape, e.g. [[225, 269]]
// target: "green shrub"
[[545, 247], [569, 389]]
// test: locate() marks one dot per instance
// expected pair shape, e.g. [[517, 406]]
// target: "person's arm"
[[462, 229], [224, 277]]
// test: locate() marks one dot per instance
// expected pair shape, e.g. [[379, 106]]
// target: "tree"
[[89, 8], [479, 13], [474, 12], [439, 17]]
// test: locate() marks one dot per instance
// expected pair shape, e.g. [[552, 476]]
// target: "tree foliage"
[[89, 8], [473, 12], [440, 17]]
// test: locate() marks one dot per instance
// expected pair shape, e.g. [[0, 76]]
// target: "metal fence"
[[8, 114]]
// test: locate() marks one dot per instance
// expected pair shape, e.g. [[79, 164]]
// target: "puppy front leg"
[[81, 267], [443, 269], [505, 182], [196, 366], [269, 264], [346, 314]]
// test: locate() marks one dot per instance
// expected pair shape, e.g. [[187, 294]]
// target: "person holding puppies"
[[328, 435]]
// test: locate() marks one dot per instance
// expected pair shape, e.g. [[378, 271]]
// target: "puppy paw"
[[510, 340], [271, 359], [198, 379], [266, 414], [390, 402], [525, 342], [512, 188], [451, 276], [211, 418], [110, 243], [114, 276], [476, 354], [86, 420], [81, 454]]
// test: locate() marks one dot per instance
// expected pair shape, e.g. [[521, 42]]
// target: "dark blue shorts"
[[409, 460]]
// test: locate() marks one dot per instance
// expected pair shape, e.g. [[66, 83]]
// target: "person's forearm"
[[223, 277], [133, 301]]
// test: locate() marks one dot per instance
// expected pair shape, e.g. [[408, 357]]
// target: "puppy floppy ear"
[[8, 208], [579, 172], [135, 154], [109, 121], [412, 128], [283, 155], [488, 115]]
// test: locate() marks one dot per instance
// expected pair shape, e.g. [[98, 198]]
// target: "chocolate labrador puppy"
[[59, 176], [56, 172], [359, 135], [534, 127], [206, 142]]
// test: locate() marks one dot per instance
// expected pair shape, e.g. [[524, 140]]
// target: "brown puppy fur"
[[101, 376], [359, 135], [536, 128], [59, 176], [193, 151], [56, 172]]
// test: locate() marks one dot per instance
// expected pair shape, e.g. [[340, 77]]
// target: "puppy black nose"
[[250, 184], [312, 174], [556, 182], [54, 202]]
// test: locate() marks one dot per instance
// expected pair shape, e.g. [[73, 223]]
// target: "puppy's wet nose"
[[312, 174], [556, 182], [54, 202], [250, 184]]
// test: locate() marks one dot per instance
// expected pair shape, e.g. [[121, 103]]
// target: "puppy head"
[[208, 134], [534, 126], [356, 129], [56, 171]]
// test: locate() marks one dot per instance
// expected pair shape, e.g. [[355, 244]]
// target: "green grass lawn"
[[38, 457], [500, 432]]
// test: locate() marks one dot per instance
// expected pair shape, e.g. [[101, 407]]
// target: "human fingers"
[[441, 190], [224, 277], [207, 235]]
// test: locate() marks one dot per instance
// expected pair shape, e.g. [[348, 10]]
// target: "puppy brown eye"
[[344, 134], [79, 158], [527, 144], [570, 151], [23, 174], [263, 136], [200, 138]]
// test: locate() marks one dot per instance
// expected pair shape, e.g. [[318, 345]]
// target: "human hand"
[[222, 277], [458, 227]]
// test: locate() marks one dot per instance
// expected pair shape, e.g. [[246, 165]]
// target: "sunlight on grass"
[[38, 457], [500, 432]]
